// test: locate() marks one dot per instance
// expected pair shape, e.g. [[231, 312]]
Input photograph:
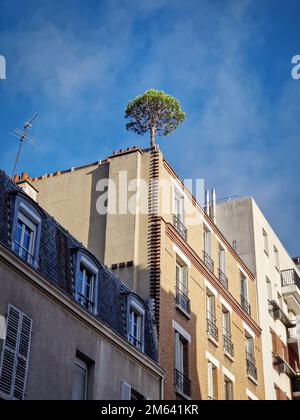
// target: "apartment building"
[[167, 249], [69, 329], [278, 286]]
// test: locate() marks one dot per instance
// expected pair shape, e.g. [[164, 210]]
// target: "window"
[[228, 388], [244, 294], [212, 330], [182, 299], [269, 289], [136, 316], [179, 206], [15, 355], [250, 357], [227, 339], [222, 267], [182, 382], [266, 242], [212, 382], [130, 394], [85, 287], [277, 262], [80, 380], [207, 241], [26, 232]]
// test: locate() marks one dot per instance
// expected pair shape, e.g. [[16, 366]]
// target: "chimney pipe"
[[207, 209], [214, 206]]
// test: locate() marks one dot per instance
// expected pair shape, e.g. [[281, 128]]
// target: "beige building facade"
[[171, 252]]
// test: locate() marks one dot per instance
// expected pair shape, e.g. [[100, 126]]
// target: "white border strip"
[[210, 287], [228, 374], [181, 255], [181, 331], [249, 331], [212, 359], [251, 395]]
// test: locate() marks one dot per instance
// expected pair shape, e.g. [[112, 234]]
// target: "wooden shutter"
[[15, 357], [125, 391]]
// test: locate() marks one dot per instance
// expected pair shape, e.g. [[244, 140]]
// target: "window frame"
[[30, 217], [82, 259], [84, 366], [134, 305]]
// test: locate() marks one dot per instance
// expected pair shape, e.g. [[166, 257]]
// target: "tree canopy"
[[154, 112]]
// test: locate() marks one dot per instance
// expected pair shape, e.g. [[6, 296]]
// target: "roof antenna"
[[23, 136]]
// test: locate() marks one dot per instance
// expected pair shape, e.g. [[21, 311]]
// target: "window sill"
[[213, 341], [229, 357], [182, 394], [186, 314], [253, 380]]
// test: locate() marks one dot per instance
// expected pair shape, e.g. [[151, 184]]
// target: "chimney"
[[27, 187], [207, 204], [214, 206]]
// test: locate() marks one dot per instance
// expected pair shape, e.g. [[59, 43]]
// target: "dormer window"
[[136, 316], [26, 232], [86, 283]]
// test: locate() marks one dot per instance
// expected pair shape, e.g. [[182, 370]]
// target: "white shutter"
[[15, 357], [185, 278], [210, 381], [125, 391]]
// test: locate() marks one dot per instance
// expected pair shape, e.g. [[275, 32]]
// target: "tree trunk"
[[152, 142]]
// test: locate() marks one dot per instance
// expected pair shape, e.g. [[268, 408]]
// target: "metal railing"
[[212, 329], [86, 302], [179, 226], [290, 278], [27, 257], [251, 366], [182, 383], [133, 340], [228, 346], [182, 300], [246, 305], [208, 261], [223, 279]]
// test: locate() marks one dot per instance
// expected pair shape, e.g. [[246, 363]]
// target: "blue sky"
[[228, 62]]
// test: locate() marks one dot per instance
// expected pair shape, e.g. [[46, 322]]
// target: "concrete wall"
[[58, 335], [241, 220]]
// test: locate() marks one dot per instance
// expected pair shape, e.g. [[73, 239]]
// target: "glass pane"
[[18, 236]]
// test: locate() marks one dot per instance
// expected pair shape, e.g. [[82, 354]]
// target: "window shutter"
[[125, 391], [210, 381], [15, 357]]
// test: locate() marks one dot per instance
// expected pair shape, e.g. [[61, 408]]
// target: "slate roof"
[[55, 264]]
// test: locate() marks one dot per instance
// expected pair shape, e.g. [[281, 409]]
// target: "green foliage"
[[154, 112]]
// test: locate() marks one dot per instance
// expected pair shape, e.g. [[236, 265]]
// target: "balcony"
[[290, 282], [283, 367], [182, 384], [228, 346], [179, 226], [208, 261], [278, 314], [251, 367], [182, 300], [212, 329], [245, 305], [223, 279]]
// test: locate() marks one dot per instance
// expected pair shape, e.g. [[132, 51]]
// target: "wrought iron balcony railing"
[[290, 278], [212, 329], [227, 343], [246, 305], [182, 383], [182, 300], [251, 366], [223, 279], [179, 226], [133, 340], [208, 261]]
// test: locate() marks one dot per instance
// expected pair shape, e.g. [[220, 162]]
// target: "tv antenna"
[[24, 136]]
